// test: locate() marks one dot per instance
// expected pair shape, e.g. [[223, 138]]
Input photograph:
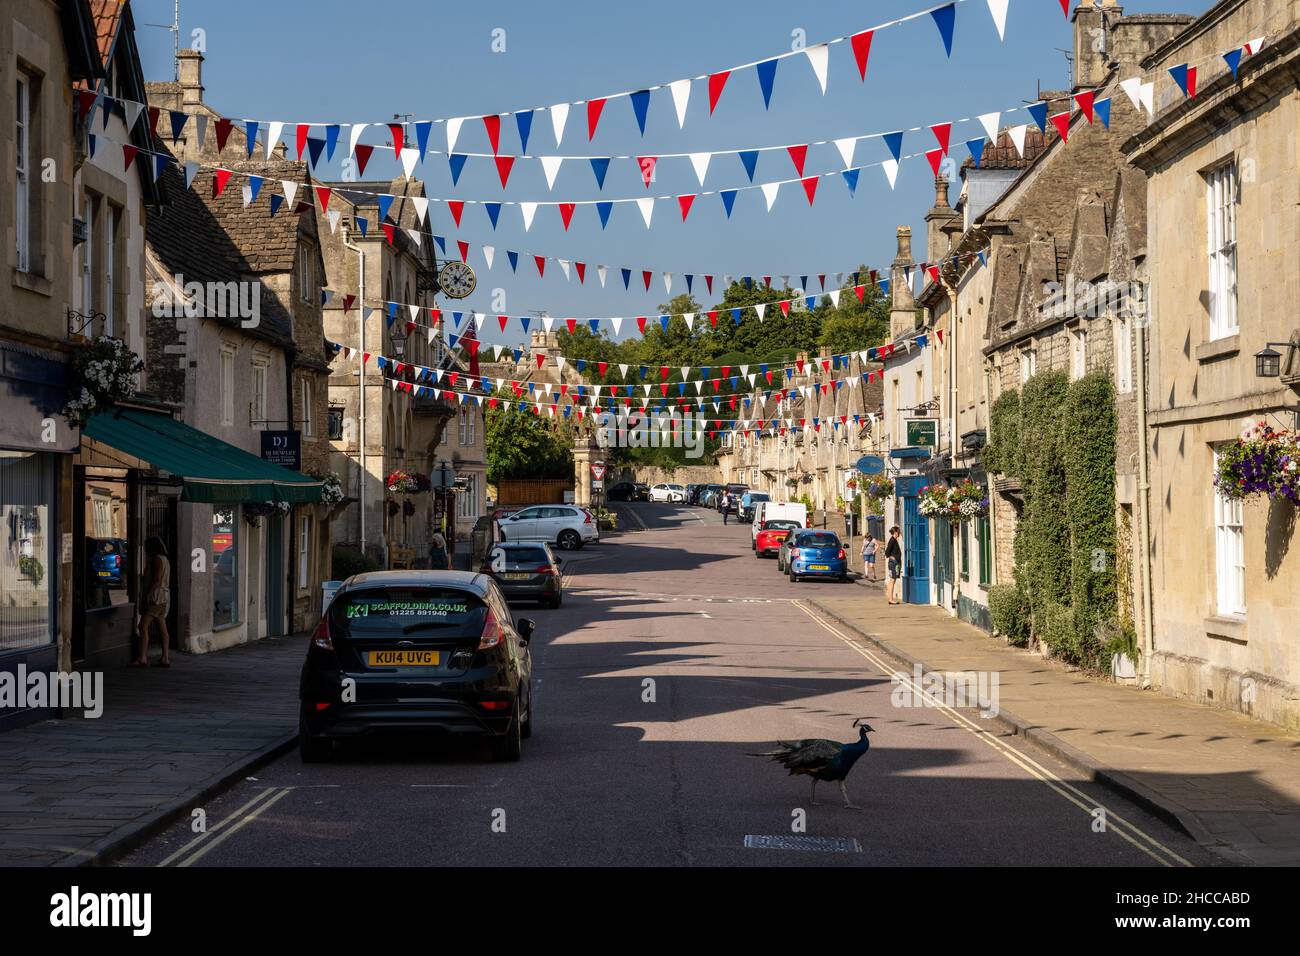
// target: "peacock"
[[823, 759]]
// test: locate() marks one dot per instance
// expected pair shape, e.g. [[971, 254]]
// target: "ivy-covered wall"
[[1002, 453], [1043, 536], [1090, 509]]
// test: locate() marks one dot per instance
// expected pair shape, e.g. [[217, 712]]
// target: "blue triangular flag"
[[595, 327], [604, 208], [455, 320], [750, 159], [1233, 59], [161, 160], [640, 104], [811, 302], [663, 321], [315, 147], [944, 18], [331, 140], [392, 311], [422, 136], [452, 339], [457, 162], [362, 222], [277, 201], [851, 177], [178, 119], [803, 282], [494, 212], [250, 133], [627, 277], [749, 282], [884, 286], [690, 282], [1038, 111], [735, 316], [254, 185], [1179, 73], [514, 260], [91, 144], [524, 122], [984, 259], [524, 320], [517, 354], [921, 340], [766, 77], [442, 244], [600, 166], [728, 200], [108, 104], [1101, 109], [976, 147], [894, 143], [385, 204]]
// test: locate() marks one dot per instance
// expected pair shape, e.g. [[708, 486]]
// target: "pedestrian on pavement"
[[438, 558], [893, 565], [156, 598], [869, 546], [726, 506]]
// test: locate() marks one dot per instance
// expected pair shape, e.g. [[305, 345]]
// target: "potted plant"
[[968, 499], [103, 373], [1262, 461]]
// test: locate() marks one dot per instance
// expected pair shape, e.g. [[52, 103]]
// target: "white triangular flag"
[[410, 156], [616, 323], [202, 122], [681, 90], [559, 362], [290, 190], [647, 207], [1017, 134], [248, 194], [701, 163], [559, 115], [548, 322], [1148, 97], [744, 370], [133, 111], [191, 170], [354, 136], [414, 310], [769, 193], [818, 55], [529, 209], [622, 370], [273, 131], [551, 166], [760, 309], [690, 319], [453, 132], [415, 237], [334, 216], [846, 147], [686, 372], [429, 336], [564, 267], [1133, 87], [990, 123], [890, 166], [668, 283], [421, 205], [1253, 46], [835, 297], [601, 271], [999, 10], [489, 253]]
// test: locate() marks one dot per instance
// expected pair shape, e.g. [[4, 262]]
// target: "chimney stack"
[[189, 66], [1093, 29], [902, 306]]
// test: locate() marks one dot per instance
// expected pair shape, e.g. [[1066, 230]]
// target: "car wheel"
[[311, 748], [526, 730], [569, 540], [555, 602], [794, 578], [508, 748]]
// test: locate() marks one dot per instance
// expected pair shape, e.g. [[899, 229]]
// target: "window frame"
[[306, 274], [110, 267], [1078, 353], [982, 537], [1221, 196], [1123, 332], [226, 383], [1229, 551], [88, 210], [23, 170], [304, 552], [261, 369], [307, 419]]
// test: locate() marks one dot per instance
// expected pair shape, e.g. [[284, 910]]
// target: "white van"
[[772, 510]]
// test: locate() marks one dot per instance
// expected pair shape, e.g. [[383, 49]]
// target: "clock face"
[[457, 279]]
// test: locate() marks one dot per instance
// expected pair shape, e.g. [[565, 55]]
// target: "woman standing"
[[155, 600], [869, 546], [893, 565], [438, 560]]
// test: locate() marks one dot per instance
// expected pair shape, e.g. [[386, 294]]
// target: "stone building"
[[1221, 239]]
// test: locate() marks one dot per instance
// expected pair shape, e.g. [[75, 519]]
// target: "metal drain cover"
[[815, 844]]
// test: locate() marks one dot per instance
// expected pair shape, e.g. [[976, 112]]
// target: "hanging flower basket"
[[877, 490], [254, 511], [970, 500], [331, 489], [103, 373], [401, 483], [851, 484], [1263, 461]]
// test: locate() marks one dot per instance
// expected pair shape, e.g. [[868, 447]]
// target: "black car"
[[429, 651], [691, 491], [621, 491], [642, 492], [526, 572]]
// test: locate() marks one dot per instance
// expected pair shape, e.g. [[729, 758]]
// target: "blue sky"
[[351, 62]]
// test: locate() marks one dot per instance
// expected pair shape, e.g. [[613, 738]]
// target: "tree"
[[853, 325], [521, 444]]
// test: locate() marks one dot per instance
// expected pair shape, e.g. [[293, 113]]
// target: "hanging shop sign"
[[922, 432], [283, 448]]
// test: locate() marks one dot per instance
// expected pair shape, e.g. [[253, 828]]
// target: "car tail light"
[[320, 706], [840, 554], [589, 516], [545, 569], [321, 636], [494, 704], [492, 633]]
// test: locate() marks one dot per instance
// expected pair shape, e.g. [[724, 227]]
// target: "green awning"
[[213, 470]]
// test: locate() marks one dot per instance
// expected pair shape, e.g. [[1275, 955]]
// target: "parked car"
[[749, 502], [768, 541], [705, 495], [642, 492], [420, 650], [769, 510], [568, 526], [108, 557], [662, 492], [813, 552], [526, 572], [621, 491], [691, 492]]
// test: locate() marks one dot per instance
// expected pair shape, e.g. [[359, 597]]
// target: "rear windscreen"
[[818, 540], [781, 525], [525, 556], [404, 610]]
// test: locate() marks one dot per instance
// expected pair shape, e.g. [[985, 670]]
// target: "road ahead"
[[675, 654]]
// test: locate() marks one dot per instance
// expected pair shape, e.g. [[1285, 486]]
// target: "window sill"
[[218, 628], [1227, 627], [1225, 347], [33, 283]]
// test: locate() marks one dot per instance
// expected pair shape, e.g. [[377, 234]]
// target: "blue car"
[[107, 561], [816, 554]]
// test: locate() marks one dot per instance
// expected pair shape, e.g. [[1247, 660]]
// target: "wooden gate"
[[519, 492]]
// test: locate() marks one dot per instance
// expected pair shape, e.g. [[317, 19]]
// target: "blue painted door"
[[916, 542]]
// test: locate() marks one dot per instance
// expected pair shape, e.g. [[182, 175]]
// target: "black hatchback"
[[526, 572], [431, 651]]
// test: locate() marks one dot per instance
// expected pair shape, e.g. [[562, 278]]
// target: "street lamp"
[[1268, 362], [399, 342]]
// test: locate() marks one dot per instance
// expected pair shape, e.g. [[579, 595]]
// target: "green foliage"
[[349, 560], [1002, 453], [1055, 627], [1009, 611], [523, 445], [1043, 534], [1115, 639], [31, 568], [1089, 448]]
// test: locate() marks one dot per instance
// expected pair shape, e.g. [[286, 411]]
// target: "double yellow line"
[[209, 840], [1114, 822]]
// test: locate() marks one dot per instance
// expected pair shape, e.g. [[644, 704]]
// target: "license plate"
[[819, 567], [517, 575], [105, 574], [403, 658]]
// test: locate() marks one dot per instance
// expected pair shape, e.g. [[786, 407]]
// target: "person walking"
[[869, 546], [438, 557], [893, 565], [155, 600], [726, 506]]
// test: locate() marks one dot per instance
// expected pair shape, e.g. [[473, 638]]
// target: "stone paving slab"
[[1230, 781], [74, 788]]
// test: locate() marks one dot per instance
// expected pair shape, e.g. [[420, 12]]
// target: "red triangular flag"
[[224, 127], [810, 187], [154, 113], [363, 156], [640, 323], [540, 262], [566, 214], [713, 317], [347, 302], [685, 203], [504, 165], [396, 130], [463, 246], [797, 155], [859, 290], [572, 324], [456, 207], [389, 231], [603, 366], [861, 43], [708, 281], [1065, 7], [935, 156], [1191, 82], [219, 179], [663, 372], [1062, 123], [128, 157], [716, 82], [503, 319], [941, 131], [85, 100], [785, 307], [1084, 100], [581, 267], [301, 139], [323, 194], [593, 116], [493, 126], [647, 167], [645, 277], [541, 358]]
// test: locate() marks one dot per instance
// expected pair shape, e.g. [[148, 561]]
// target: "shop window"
[[107, 572], [27, 562], [965, 550], [986, 550], [304, 551], [225, 566]]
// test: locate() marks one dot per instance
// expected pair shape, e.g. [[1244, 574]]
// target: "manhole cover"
[[815, 844]]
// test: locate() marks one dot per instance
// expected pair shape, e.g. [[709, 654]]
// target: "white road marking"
[[213, 838]]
